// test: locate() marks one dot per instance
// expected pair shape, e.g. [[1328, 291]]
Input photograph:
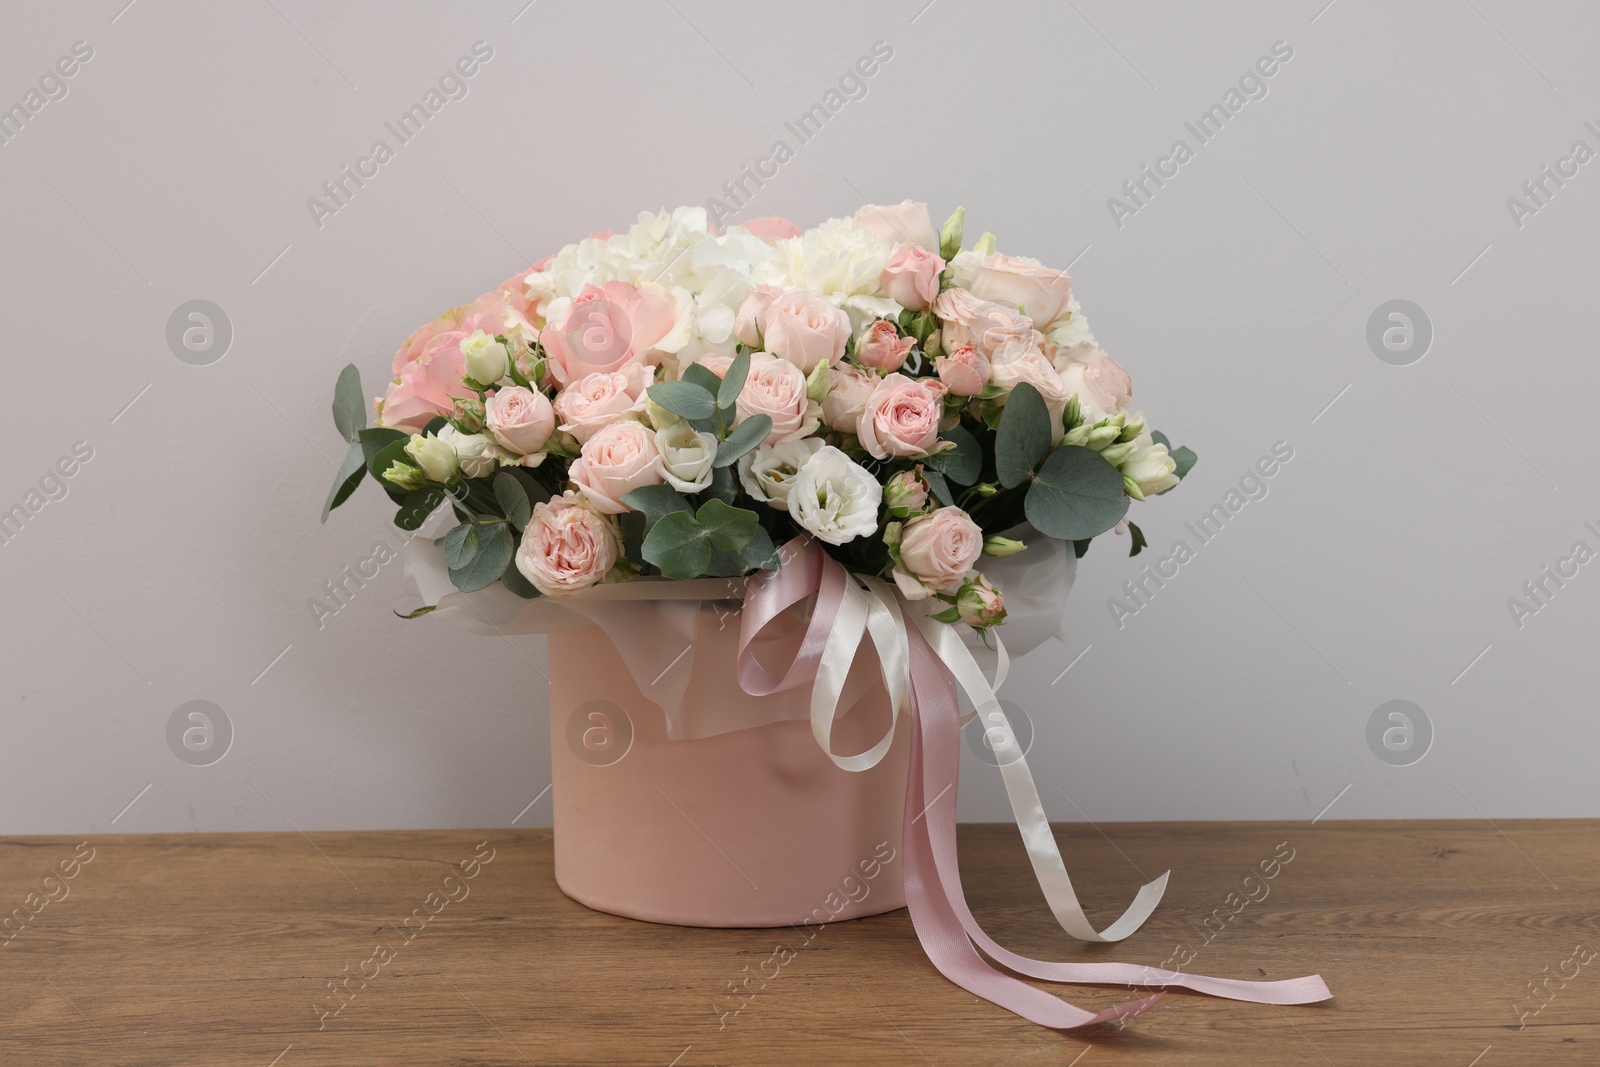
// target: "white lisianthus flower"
[[686, 456], [834, 498], [1149, 468], [474, 451], [435, 456], [486, 359], [768, 472], [1070, 328]]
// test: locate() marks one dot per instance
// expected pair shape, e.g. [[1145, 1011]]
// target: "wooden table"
[[220, 949]]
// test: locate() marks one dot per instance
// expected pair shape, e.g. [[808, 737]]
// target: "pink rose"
[[963, 370], [597, 400], [777, 388], [883, 348], [747, 324], [567, 546], [902, 417], [1021, 361], [983, 324], [907, 222], [604, 328], [427, 385], [614, 462], [911, 277], [936, 552], [805, 329], [771, 229], [1041, 292], [716, 364], [1103, 388], [520, 420], [849, 389], [493, 313], [428, 367], [980, 604]]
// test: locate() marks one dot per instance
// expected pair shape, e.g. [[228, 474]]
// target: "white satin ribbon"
[[873, 606]]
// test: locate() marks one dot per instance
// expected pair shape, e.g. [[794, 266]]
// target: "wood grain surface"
[[249, 949]]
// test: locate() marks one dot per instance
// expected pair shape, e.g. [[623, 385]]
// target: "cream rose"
[[983, 324], [747, 323], [1020, 361], [902, 417], [567, 546], [597, 400], [1102, 386], [834, 498], [1016, 281], [805, 329], [777, 388], [686, 455], [614, 462], [520, 420], [907, 222], [849, 389], [936, 552]]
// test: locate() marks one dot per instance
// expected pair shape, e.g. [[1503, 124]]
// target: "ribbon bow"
[[922, 661]]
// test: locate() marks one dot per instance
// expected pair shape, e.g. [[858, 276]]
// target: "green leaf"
[[460, 545], [961, 464], [655, 501], [434, 425], [495, 550], [950, 614], [1076, 494], [684, 398], [759, 555], [416, 506], [535, 490], [940, 487], [723, 484], [703, 376], [1080, 547], [1024, 436], [733, 381], [513, 499], [418, 612], [351, 471], [678, 546], [728, 527], [1137, 536], [374, 440], [745, 436], [349, 404], [513, 580]]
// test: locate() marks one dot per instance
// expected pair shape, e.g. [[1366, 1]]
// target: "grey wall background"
[[1377, 167]]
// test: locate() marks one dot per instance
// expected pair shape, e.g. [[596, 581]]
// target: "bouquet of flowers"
[[675, 402]]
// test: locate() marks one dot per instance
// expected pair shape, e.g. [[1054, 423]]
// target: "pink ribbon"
[[939, 913]]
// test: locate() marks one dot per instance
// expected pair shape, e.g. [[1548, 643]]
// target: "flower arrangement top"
[[676, 402]]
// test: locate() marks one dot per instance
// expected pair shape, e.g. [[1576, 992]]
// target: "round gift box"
[[752, 827]]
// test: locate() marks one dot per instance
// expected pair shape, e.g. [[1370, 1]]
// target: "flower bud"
[[405, 476], [659, 416], [436, 458], [906, 494], [474, 451], [486, 359], [980, 604], [985, 245], [1001, 547], [950, 234], [818, 380]]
